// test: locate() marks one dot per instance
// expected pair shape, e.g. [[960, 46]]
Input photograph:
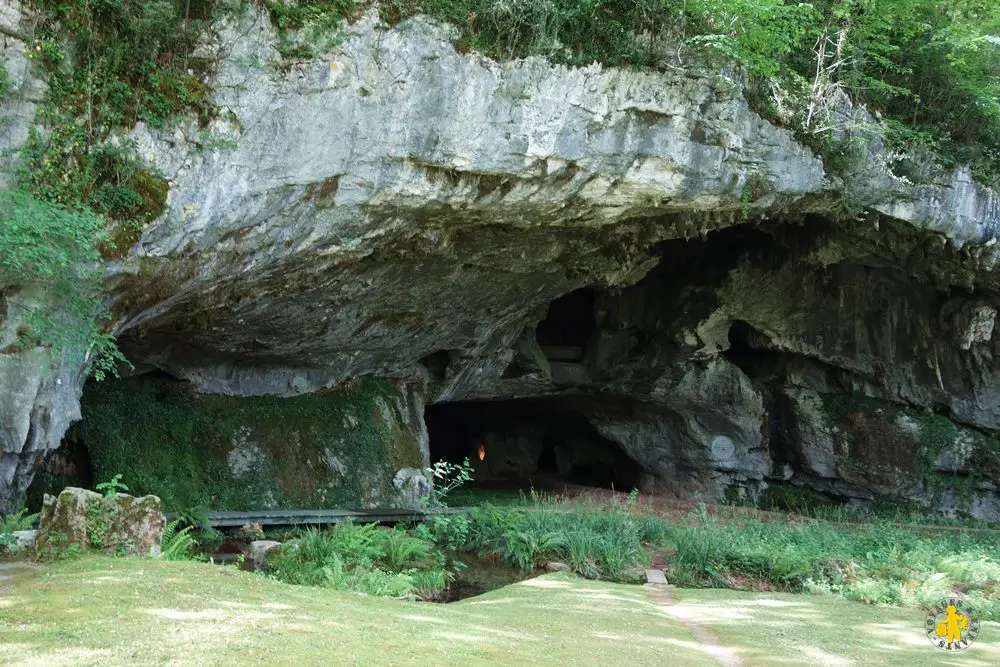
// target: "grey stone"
[[413, 486], [39, 398], [24, 539], [409, 181], [82, 520], [654, 576], [816, 444], [258, 553], [974, 324], [419, 231]]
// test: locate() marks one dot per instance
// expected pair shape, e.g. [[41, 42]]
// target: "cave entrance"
[[568, 326], [527, 443], [70, 465]]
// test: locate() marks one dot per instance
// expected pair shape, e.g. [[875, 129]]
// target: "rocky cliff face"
[[400, 209]]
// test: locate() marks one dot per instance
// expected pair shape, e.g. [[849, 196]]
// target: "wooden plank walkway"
[[319, 517]]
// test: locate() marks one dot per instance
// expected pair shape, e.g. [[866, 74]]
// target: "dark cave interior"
[[527, 443]]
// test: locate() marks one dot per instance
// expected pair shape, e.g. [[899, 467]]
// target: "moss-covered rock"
[[79, 520], [340, 448]]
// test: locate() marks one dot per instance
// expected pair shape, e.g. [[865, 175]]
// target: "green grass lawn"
[[129, 611], [793, 629]]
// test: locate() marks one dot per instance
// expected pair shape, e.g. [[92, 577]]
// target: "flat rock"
[[656, 577]]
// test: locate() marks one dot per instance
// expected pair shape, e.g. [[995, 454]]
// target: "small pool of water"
[[482, 575]]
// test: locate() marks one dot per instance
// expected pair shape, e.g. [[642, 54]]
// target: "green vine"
[[937, 435]]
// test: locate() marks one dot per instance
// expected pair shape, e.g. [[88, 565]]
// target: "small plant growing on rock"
[[113, 487]]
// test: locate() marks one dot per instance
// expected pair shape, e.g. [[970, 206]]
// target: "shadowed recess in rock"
[[540, 443]]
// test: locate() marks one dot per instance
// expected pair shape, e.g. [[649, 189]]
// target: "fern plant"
[[20, 520], [177, 543], [12, 523], [401, 550], [112, 487]]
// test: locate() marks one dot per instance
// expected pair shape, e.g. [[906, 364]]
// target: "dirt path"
[[660, 595]]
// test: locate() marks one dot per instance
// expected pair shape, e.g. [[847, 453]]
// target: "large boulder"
[[79, 520]]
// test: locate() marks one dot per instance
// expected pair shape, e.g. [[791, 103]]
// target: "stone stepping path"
[[660, 595]]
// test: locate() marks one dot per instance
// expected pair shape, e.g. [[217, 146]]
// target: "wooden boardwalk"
[[319, 517]]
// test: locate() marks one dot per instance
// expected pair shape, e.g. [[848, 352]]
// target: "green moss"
[[937, 434], [98, 523], [247, 453], [142, 198], [840, 406], [756, 186], [307, 28], [887, 454]]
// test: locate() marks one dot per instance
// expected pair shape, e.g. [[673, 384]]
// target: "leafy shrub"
[[595, 543], [12, 523], [107, 64], [112, 487], [449, 532], [19, 520], [309, 27], [43, 245], [878, 563], [448, 477], [362, 558]]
